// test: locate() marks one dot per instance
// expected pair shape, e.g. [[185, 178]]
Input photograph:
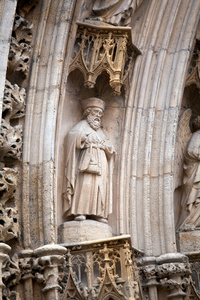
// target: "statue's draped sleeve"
[[74, 142]]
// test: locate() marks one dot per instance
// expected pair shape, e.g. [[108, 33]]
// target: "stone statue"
[[191, 180], [89, 165], [116, 12]]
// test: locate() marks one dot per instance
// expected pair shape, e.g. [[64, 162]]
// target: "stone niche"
[[101, 62], [112, 123]]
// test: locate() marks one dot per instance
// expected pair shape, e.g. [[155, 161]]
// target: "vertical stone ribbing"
[[40, 125], [151, 120]]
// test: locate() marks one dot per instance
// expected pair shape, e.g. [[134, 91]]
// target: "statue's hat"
[[93, 102]]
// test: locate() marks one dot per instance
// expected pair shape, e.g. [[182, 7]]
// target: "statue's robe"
[[116, 11], [88, 172], [191, 181]]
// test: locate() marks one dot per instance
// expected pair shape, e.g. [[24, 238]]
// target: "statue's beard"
[[94, 122]]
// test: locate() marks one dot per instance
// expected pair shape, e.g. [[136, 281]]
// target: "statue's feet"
[[80, 218], [102, 220]]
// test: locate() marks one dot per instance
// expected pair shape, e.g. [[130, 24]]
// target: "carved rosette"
[[101, 49]]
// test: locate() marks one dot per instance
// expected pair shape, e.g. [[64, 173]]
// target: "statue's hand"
[[83, 137], [93, 138]]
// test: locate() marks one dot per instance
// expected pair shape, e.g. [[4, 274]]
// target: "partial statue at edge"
[[116, 12], [191, 181], [89, 167]]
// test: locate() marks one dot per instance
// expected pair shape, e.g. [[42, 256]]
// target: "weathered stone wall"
[[40, 102]]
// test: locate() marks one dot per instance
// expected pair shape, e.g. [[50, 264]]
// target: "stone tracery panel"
[[101, 49]]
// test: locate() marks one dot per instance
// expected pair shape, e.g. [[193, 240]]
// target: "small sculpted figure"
[[191, 180], [89, 165]]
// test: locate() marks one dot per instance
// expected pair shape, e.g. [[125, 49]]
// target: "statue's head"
[[93, 111]]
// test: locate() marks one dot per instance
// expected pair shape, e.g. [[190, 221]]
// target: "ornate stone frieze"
[[173, 268], [10, 275], [8, 184], [13, 101], [11, 272], [9, 227], [103, 49], [10, 148], [20, 48], [10, 141]]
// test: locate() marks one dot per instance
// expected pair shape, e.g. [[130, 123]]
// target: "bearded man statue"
[[89, 167]]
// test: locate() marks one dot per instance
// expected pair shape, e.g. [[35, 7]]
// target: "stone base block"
[[81, 231], [189, 241]]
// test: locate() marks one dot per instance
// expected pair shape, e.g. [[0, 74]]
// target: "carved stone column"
[[174, 271], [4, 250], [51, 259], [167, 275], [149, 273], [26, 263]]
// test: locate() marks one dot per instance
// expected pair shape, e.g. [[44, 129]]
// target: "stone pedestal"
[[189, 241], [81, 231]]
